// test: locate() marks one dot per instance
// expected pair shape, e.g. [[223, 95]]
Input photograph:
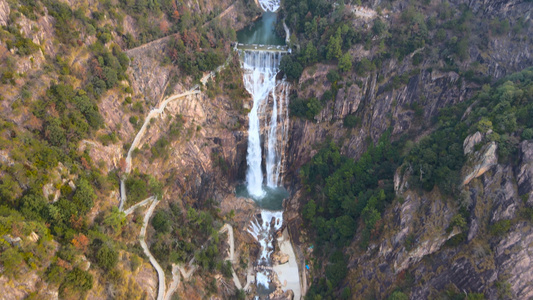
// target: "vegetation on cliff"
[[59, 60], [351, 196]]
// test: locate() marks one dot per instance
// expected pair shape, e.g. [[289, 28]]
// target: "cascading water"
[[270, 109], [263, 232], [260, 70], [267, 136], [269, 5]]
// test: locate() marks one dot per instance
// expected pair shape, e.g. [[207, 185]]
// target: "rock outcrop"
[[481, 162], [525, 171], [421, 238]]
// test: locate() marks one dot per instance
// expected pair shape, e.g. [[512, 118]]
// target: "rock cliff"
[[420, 234], [496, 265]]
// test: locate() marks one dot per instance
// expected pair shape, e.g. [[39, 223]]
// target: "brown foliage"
[[34, 123], [122, 164], [64, 264], [176, 15], [85, 164], [163, 26], [191, 39], [81, 242], [96, 68], [76, 222]]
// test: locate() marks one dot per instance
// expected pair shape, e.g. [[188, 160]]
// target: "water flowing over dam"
[[261, 52], [269, 108]]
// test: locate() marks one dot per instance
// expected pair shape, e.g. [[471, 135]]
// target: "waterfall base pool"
[[272, 200]]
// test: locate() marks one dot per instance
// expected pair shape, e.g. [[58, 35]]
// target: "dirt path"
[[153, 113], [153, 261], [163, 293], [130, 210], [175, 282]]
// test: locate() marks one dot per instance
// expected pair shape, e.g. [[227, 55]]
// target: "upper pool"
[[261, 32]]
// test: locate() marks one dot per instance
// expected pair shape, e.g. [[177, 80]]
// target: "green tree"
[[310, 55], [345, 62], [379, 27], [55, 134], [9, 189], [161, 222], [398, 296], [116, 219], [33, 206], [106, 257], [84, 197], [333, 49], [136, 189], [292, 68], [12, 261], [78, 280]]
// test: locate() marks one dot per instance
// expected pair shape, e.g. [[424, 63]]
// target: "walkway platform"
[[255, 47]]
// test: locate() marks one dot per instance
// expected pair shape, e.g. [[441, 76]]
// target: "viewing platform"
[[256, 47]]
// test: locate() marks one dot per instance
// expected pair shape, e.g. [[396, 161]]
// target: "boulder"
[[280, 258]]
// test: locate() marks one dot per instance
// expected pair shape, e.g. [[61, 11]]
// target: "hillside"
[[124, 141]]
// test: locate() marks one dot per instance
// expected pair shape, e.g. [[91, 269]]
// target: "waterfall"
[[269, 5], [267, 135], [277, 132], [260, 70]]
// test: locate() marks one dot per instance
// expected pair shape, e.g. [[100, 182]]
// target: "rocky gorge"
[[423, 244]]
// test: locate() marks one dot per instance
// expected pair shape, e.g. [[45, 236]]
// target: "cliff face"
[[209, 153], [498, 266], [418, 241], [377, 108]]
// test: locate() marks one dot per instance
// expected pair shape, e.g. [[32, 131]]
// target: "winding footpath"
[[153, 261], [163, 293], [130, 210], [152, 114]]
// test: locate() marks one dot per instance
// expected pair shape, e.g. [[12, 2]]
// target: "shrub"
[[12, 260], [527, 134], [106, 257], [78, 280], [351, 121], [161, 222], [500, 227], [398, 296], [305, 108], [291, 67], [136, 189]]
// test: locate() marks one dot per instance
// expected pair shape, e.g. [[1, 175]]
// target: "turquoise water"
[[261, 32], [272, 200]]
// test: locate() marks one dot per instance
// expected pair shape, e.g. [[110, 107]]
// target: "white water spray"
[[277, 132], [260, 70], [269, 5], [269, 118], [263, 231]]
